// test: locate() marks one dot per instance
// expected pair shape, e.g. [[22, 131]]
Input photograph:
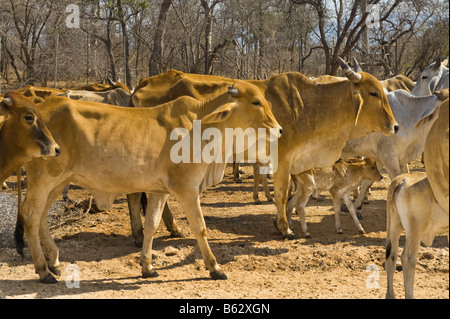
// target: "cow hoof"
[[362, 232], [290, 236], [258, 202], [150, 274], [49, 279], [339, 231], [218, 275], [177, 234], [307, 235], [56, 270]]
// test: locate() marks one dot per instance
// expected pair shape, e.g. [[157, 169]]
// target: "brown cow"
[[135, 150], [436, 155], [317, 118], [23, 134], [38, 94]]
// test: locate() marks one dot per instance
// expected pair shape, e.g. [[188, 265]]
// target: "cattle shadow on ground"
[[234, 204], [17, 288], [81, 247], [260, 227], [322, 226]]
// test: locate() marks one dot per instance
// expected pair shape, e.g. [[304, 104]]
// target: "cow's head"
[[373, 113], [371, 170], [247, 108], [24, 129], [429, 79], [248, 117]]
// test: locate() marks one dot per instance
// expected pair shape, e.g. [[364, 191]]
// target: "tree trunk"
[[126, 51], [155, 61]]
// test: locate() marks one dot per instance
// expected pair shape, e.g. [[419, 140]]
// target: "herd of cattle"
[[112, 141]]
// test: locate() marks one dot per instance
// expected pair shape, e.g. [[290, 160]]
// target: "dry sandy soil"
[[259, 264]]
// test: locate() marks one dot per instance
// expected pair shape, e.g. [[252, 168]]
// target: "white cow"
[[433, 78], [395, 152]]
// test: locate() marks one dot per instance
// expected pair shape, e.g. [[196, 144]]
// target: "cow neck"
[[333, 92], [210, 106], [9, 161]]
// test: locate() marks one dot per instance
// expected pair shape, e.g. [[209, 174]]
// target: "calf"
[[411, 206], [339, 179], [393, 153]]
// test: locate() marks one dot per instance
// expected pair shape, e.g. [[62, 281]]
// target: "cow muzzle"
[[391, 129], [50, 151]]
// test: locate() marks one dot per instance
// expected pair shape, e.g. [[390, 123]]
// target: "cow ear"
[[437, 63], [357, 106], [219, 115], [5, 105]]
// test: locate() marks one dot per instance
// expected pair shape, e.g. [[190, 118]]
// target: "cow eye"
[[257, 103], [424, 77], [29, 119], [373, 94]]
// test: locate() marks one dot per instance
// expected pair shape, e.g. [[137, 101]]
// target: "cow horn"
[[356, 66], [437, 64], [8, 101], [348, 72], [234, 92], [108, 79]]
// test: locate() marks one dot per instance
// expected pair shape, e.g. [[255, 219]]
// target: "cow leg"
[[409, 259], [236, 173], [134, 209], [191, 205], [171, 226], [291, 204], [304, 188], [337, 213], [352, 210], [365, 185], [301, 204], [50, 248], [256, 179], [266, 187], [152, 219], [394, 231], [281, 180], [30, 219]]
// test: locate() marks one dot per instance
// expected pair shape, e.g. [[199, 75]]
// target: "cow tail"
[[144, 203], [18, 233]]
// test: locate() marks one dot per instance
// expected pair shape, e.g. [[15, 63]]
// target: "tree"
[[155, 61], [30, 18], [208, 10], [347, 27]]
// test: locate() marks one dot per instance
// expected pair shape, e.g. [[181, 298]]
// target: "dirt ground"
[[259, 264]]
